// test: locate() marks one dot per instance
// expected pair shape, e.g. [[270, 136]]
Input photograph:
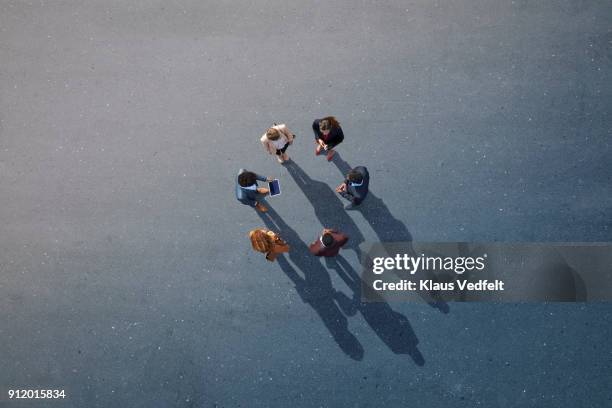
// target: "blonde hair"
[[261, 240], [273, 134]]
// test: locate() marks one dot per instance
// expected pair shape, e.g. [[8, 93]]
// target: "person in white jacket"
[[276, 140]]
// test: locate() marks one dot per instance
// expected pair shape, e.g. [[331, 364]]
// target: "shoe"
[[318, 149], [280, 159], [330, 154]]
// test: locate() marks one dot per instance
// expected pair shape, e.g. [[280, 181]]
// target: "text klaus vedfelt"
[[413, 264]]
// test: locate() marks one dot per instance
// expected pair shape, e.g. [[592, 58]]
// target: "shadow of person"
[[327, 205], [391, 327], [313, 285], [546, 275], [377, 214], [389, 229]]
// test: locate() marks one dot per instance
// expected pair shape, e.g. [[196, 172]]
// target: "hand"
[[341, 188], [325, 146], [269, 179]]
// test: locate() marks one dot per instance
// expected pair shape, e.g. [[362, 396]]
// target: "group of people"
[[276, 141]]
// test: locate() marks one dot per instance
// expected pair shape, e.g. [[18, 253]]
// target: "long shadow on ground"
[[391, 327], [313, 284], [389, 229], [327, 205]]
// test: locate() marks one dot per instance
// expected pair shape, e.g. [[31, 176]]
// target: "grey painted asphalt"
[[127, 278]]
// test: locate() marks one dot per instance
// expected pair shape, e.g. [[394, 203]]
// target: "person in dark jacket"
[[329, 243], [247, 190], [328, 134], [355, 187]]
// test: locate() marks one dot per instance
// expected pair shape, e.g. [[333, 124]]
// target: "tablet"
[[274, 188]]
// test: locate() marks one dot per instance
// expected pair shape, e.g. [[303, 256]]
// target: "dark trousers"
[[283, 150]]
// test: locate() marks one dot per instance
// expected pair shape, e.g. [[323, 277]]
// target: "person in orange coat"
[[267, 242], [329, 243]]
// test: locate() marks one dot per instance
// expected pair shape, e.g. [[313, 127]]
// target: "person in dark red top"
[[329, 243], [328, 134]]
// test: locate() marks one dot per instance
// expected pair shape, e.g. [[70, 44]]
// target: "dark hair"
[[247, 179], [327, 239], [354, 176], [328, 123]]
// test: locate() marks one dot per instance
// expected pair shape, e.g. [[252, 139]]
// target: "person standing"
[[248, 191], [355, 187], [267, 242], [328, 134], [329, 243], [276, 140]]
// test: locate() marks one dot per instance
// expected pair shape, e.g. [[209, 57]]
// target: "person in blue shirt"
[[247, 190]]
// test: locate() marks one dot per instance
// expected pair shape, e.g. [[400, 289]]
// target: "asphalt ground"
[[127, 277]]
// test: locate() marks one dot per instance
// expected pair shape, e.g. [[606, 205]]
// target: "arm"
[[314, 249], [340, 238], [346, 192], [315, 129], [348, 196], [267, 145], [271, 256], [279, 247], [337, 137], [261, 178], [285, 130], [362, 191]]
